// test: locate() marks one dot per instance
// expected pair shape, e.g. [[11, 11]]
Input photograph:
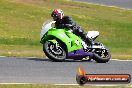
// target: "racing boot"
[[79, 32], [87, 40]]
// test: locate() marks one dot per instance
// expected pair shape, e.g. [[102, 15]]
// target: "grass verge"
[[53, 86], [21, 20]]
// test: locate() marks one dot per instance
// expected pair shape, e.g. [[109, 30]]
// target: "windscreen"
[[46, 27]]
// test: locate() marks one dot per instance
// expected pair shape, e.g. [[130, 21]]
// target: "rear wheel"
[[102, 56], [54, 52]]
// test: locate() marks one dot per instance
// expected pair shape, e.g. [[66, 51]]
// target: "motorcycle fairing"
[[80, 53], [72, 41]]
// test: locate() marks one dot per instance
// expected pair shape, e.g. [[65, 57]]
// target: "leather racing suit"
[[66, 21]]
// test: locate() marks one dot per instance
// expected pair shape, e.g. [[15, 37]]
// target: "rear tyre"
[[102, 56], [54, 53]]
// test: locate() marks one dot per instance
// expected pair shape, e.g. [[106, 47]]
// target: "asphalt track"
[[119, 3], [34, 70]]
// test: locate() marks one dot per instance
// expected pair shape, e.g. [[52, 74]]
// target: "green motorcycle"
[[61, 44]]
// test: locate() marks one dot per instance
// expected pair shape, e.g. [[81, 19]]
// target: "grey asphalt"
[[119, 3], [34, 70]]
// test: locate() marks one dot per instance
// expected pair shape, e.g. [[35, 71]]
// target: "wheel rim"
[[103, 53], [56, 52]]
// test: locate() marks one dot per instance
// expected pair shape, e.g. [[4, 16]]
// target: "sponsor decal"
[[83, 78]]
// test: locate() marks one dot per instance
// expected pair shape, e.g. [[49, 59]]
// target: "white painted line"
[[92, 84], [15, 83], [111, 85], [66, 84], [2, 56], [120, 60], [70, 84], [30, 57]]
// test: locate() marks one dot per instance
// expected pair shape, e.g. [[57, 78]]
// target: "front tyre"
[[102, 56], [54, 52]]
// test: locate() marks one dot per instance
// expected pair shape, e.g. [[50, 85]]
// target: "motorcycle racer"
[[67, 22], [61, 42]]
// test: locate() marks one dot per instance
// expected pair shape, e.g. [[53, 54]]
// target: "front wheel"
[[54, 52], [101, 55]]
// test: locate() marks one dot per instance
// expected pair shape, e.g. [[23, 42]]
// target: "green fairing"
[[65, 36]]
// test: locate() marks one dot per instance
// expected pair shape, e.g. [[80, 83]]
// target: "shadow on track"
[[67, 60]]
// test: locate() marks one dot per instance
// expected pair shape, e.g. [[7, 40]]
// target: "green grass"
[[53, 86], [21, 21]]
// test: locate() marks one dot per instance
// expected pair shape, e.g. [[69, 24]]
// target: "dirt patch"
[[53, 2], [30, 1]]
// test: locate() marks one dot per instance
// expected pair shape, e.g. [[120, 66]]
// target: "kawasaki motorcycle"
[[61, 44]]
